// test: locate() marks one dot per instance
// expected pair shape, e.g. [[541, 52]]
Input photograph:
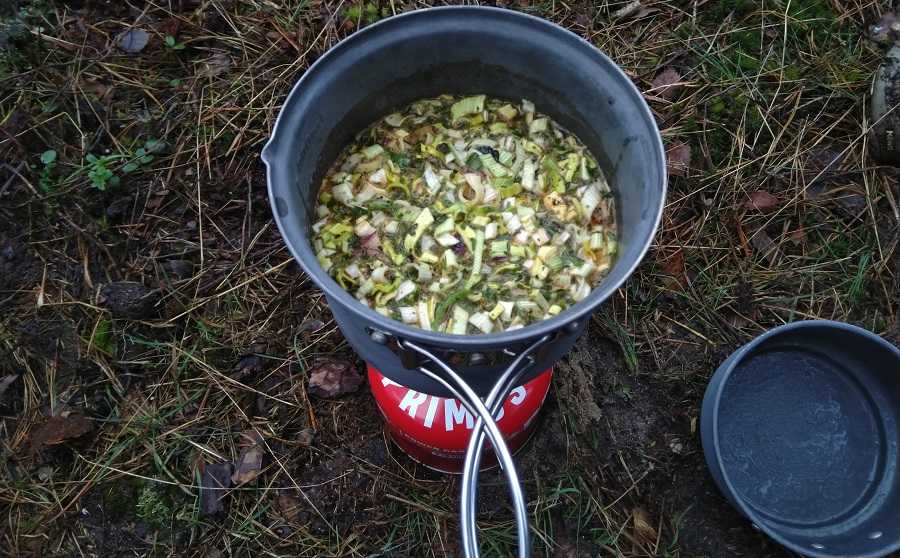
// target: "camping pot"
[[801, 432], [464, 51]]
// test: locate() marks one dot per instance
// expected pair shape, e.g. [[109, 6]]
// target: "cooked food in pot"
[[466, 215]]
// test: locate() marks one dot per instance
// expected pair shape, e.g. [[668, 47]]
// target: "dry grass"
[[767, 98]]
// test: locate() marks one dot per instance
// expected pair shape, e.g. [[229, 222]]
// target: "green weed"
[[99, 170], [859, 280], [105, 170], [366, 13], [173, 44], [152, 508], [102, 339], [48, 160]]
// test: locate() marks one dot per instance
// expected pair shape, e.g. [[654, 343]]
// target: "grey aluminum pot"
[[801, 432], [464, 50]]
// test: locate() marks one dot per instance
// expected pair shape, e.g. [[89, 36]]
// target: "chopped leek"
[[590, 199], [467, 216], [449, 259], [343, 193], [423, 221], [492, 165], [445, 227], [479, 253], [556, 264], [405, 289], [447, 240], [441, 310], [467, 106], [482, 321], [460, 320], [422, 312], [528, 175], [434, 183], [372, 151], [499, 128], [537, 126], [507, 112], [490, 230], [408, 314]]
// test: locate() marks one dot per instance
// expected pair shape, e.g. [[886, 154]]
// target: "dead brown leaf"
[[215, 480], [287, 506], [761, 200], [853, 202], [674, 268], [331, 377], [666, 83], [246, 366], [305, 437], [99, 90], [583, 20], [310, 326], [249, 464], [215, 65], [822, 160], [169, 27], [764, 245], [678, 159], [643, 529], [565, 550], [737, 321], [60, 429], [157, 199]]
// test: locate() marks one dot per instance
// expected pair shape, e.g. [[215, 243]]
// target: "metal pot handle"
[[485, 411]]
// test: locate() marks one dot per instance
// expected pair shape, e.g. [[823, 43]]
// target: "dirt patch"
[[129, 299], [108, 515], [633, 435]]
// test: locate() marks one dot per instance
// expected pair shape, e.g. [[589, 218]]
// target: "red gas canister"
[[435, 430]]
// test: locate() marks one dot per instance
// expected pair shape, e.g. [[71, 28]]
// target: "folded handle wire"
[[485, 424]]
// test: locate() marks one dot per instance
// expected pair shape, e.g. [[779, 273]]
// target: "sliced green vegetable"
[[507, 112], [465, 216], [467, 106], [492, 166], [556, 264], [440, 311], [555, 178], [478, 253], [498, 128], [423, 221], [373, 151], [460, 320], [537, 126], [445, 227]]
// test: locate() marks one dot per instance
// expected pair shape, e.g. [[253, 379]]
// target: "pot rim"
[[737, 358], [573, 313]]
